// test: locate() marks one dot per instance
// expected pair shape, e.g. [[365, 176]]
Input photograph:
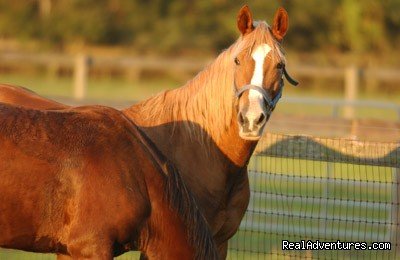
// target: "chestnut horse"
[[86, 183], [210, 126]]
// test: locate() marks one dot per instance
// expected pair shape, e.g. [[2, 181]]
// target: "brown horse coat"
[[84, 182], [21, 96], [196, 126]]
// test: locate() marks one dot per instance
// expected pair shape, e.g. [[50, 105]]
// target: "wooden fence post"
[[133, 74], [44, 8], [351, 83], [80, 76]]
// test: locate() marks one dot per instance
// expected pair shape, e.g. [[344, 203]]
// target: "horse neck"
[[207, 101]]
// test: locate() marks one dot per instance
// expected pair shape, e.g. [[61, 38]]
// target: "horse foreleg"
[[235, 210], [143, 256], [223, 250], [63, 257], [90, 249]]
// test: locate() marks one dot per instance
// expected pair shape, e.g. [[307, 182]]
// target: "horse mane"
[[208, 99], [180, 199]]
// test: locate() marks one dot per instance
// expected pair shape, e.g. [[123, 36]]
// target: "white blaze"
[[258, 56], [255, 97]]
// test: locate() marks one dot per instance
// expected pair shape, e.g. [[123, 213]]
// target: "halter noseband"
[[271, 102]]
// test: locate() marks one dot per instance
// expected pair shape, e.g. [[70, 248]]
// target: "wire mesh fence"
[[314, 189], [326, 190]]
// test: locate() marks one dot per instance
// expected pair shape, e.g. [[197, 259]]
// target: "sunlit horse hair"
[[203, 100]]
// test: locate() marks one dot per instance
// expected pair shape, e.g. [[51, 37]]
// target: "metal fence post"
[[395, 211], [325, 195]]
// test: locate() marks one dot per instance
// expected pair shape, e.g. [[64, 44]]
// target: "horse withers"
[[86, 183], [16, 95]]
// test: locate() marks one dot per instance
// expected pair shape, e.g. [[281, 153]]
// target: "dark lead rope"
[[288, 78], [271, 102]]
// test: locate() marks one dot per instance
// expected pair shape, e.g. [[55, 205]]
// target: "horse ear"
[[281, 24], [245, 20]]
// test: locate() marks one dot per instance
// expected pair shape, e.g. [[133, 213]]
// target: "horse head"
[[259, 70]]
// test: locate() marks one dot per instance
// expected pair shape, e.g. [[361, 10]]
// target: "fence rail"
[[338, 104], [133, 66], [82, 65]]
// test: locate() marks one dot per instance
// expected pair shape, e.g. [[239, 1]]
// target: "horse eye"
[[279, 65], [237, 62]]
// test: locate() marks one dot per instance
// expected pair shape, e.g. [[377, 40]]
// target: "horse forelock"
[[207, 100], [260, 35]]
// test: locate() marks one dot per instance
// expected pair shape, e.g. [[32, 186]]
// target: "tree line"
[[171, 26]]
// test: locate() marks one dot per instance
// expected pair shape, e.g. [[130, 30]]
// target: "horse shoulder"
[[114, 168]]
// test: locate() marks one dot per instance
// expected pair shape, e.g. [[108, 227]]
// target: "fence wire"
[[317, 189], [305, 188]]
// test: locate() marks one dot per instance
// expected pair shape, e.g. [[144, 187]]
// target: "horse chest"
[[207, 171], [213, 193]]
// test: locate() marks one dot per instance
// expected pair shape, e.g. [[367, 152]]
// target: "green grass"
[[21, 255], [103, 89], [324, 110]]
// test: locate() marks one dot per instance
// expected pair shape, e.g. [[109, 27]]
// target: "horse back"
[[19, 96]]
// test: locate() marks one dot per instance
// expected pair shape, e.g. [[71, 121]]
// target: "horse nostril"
[[241, 118], [261, 119]]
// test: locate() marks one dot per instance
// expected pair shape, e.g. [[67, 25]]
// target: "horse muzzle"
[[251, 125]]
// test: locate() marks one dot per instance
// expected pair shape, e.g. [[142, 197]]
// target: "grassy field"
[[20, 255]]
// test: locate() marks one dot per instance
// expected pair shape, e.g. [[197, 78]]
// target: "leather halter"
[[271, 102]]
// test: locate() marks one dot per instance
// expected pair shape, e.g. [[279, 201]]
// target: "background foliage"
[[165, 26]]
